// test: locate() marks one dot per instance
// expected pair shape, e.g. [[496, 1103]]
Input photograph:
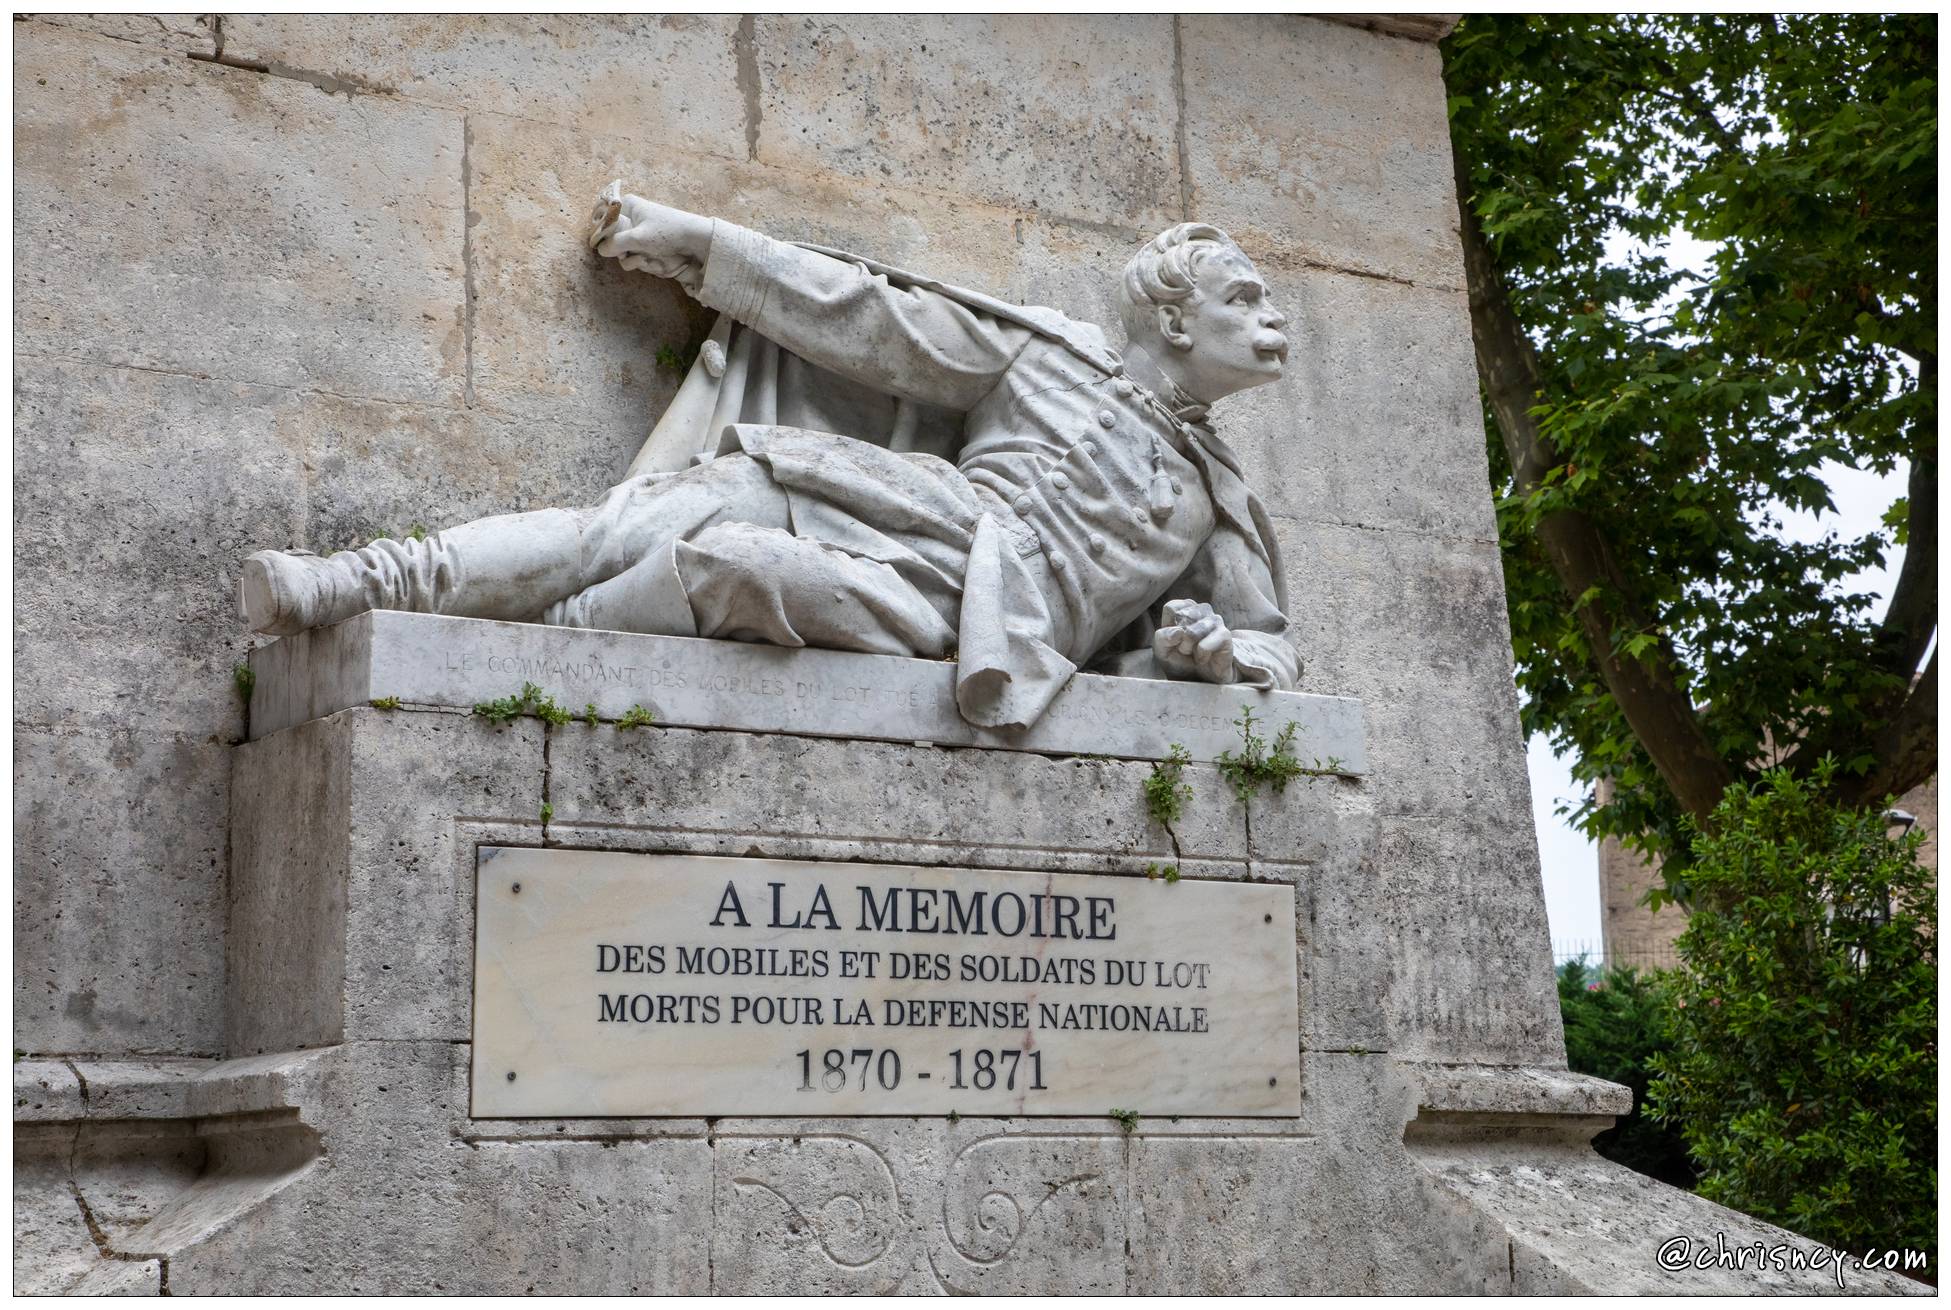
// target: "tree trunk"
[[1904, 737], [1905, 748]]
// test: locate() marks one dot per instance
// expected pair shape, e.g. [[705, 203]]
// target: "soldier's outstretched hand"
[[651, 238]]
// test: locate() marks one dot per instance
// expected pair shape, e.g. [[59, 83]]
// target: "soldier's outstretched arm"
[[908, 341]]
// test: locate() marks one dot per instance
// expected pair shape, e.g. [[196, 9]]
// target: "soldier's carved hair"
[[1163, 271]]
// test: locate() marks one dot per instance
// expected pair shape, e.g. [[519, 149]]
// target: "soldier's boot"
[[512, 566], [283, 592]]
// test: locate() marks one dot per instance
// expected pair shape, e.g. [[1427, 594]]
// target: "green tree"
[[1646, 421], [1803, 1068], [1616, 1022]]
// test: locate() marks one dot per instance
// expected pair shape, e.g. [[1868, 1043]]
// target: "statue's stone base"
[[429, 660], [335, 1151]]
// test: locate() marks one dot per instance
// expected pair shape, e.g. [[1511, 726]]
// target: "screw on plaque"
[[1270, 1081], [517, 889], [1265, 918], [511, 1075]]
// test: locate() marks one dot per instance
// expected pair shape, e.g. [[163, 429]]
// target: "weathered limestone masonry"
[[298, 281]]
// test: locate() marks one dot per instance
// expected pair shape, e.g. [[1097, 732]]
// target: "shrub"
[[1804, 1064], [1615, 1023]]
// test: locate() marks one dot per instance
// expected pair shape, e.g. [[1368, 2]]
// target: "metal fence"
[[1593, 952]]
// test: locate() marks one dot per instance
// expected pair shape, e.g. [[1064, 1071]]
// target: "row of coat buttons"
[[1105, 419], [1059, 563], [1058, 480]]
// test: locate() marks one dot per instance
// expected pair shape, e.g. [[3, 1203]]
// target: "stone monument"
[[885, 845], [1087, 492]]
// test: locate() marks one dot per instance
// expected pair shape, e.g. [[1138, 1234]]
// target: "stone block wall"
[[288, 281]]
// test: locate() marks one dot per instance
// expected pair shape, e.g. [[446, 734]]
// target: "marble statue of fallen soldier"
[[863, 459]]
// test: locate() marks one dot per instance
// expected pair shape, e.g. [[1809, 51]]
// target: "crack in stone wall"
[[347, 86], [1179, 133], [468, 219], [745, 46]]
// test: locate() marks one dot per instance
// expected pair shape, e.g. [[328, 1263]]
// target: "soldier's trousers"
[[708, 552]]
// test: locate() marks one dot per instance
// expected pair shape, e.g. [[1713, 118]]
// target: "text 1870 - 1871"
[[982, 1069]]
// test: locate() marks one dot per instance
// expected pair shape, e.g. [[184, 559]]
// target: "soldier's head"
[[1192, 301]]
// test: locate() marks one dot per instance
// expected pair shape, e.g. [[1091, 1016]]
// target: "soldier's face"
[[1236, 341]]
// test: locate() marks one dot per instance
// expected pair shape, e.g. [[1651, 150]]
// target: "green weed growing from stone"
[[677, 361], [1260, 761], [589, 714], [529, 700], [508, 708], [954, 1117], [636, 717], [1169, 872], [1127, 1119], [548, 811], [385, 702], [1166, 790], [244, 680]]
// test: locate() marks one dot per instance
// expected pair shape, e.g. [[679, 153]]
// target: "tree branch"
[[1658, 711], [1908, 626], [1906, 747], [1902, 640], [1873, 305], [1688, 97]]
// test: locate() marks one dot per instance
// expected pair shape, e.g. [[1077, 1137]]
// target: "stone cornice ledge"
[[1499, 1093], [1416, 27], [438, 662], [66, 1091]]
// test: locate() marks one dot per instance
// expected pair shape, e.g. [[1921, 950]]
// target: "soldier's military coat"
[[1076, 504]]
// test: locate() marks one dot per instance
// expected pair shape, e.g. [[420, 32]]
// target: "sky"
[[1570, 861]]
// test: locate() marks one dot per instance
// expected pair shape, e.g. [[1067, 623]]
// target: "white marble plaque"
[[435, 660], [609, 984]]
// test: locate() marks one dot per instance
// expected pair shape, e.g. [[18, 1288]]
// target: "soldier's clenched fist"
[[651, 238]]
